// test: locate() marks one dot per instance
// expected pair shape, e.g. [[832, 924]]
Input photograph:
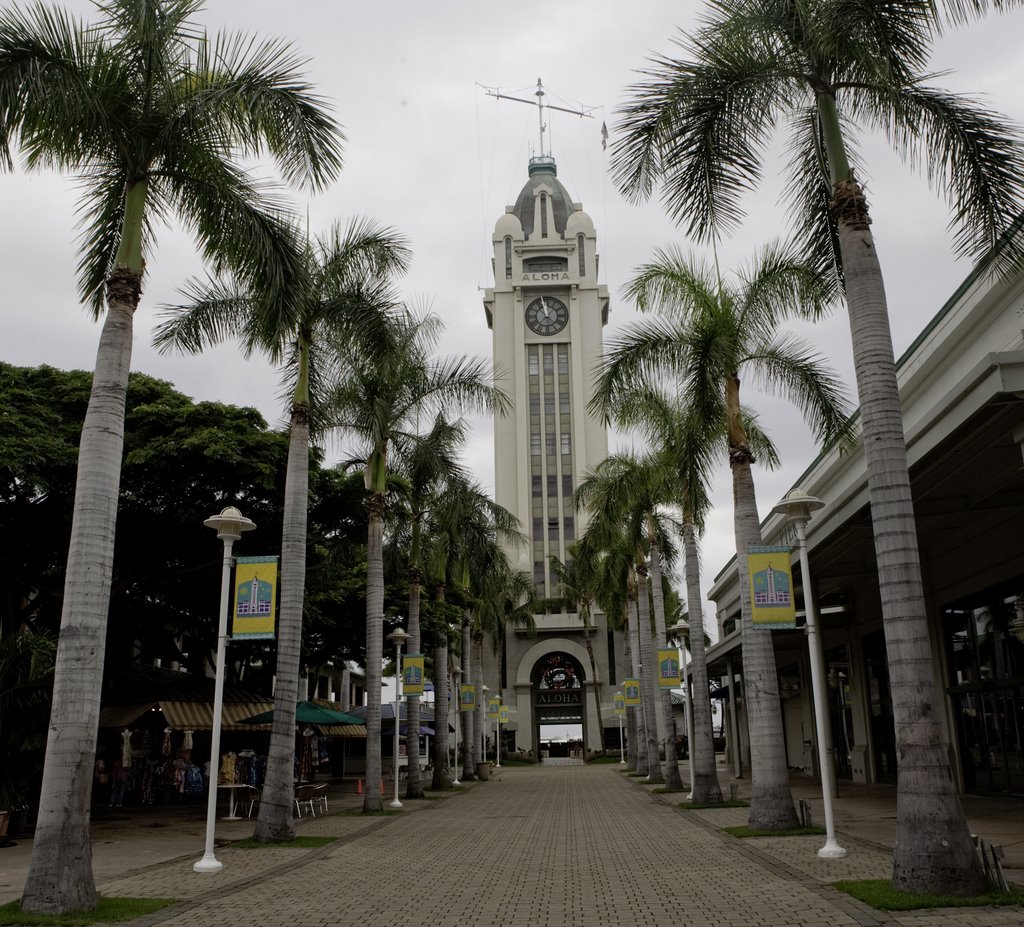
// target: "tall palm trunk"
[[647, 687], [441, 778], [468, 735], [372, 798], [933, 851], [275, 822], [595, 680], [771, 802], [703, 774], [638, 741], [60, 876], [413, 786], [480, 720], [672, 778]]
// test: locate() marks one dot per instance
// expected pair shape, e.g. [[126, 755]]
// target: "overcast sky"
[[432, 155]]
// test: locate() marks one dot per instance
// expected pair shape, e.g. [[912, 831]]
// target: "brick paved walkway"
[[568, 846]]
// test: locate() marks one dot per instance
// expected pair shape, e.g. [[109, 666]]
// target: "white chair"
[[253, 798], [304, 799], [320, 797]]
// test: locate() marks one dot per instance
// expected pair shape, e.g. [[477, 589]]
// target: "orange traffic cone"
[[359, 786]]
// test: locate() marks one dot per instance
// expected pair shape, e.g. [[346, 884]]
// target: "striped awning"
[[342, 730], [198, 716], [188, 715]]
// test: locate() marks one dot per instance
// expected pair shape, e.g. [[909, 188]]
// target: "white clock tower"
[[546, 311]]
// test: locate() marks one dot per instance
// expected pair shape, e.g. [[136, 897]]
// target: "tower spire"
[[539, 93]]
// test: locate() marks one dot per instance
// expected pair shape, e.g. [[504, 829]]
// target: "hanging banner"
[[412, 674], [503, 714], [771, 588], [631, 690], [467, 696], [255, 601], [620, 704], [493, 708], [668, 668]]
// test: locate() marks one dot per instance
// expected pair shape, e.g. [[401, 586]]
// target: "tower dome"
[[543, 179]]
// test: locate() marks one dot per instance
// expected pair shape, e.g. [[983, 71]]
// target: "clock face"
[[547, 315]]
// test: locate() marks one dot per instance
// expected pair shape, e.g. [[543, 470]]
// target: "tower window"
[[508, 257], [566, 443], [580, 242], [535, 445], [533, 363], [543, 215]]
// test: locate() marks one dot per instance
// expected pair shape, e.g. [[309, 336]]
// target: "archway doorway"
[[558, 708]]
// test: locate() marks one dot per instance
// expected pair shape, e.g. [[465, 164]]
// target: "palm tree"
[[612, 593], [342, 289], [700, 127], [425, 470], [708, 335], [687, 448], [627, 490], [381, 392], [149, 113], [577, 582]]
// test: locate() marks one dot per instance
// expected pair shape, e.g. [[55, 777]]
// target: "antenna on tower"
[[583, 111]]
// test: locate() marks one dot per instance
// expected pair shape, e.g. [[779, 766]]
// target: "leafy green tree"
[[380, 394], [706, 334], [342, 289], [699, 127], [150, 114]]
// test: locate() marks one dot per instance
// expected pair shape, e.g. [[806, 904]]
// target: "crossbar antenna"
[[541, 106]]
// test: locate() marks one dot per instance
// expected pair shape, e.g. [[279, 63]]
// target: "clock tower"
[[546, 312]]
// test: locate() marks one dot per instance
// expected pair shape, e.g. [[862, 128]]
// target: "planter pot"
[[483, 771]]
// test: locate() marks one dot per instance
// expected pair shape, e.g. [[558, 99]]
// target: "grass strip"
[[880, 894], [109, 910], [296, 843], [744, 831], [702, 805]]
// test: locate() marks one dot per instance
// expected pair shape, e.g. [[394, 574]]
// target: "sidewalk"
[[564, 846]]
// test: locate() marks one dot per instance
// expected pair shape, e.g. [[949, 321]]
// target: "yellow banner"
[[412, 674], [255, 602], [503, 714], [668, 668], [771, 588], [493, 708], [467, 697], [620, 704], [631, 690]]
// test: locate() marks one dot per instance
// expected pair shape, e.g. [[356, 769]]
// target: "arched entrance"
[[558, 687]]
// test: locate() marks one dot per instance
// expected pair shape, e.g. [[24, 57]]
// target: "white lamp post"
[[622, 744], [398, 637], [456, 677], [482, 721], [798, 507], [229, 525], [679, 630], [497, 738]]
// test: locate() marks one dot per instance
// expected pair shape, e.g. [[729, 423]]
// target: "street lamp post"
[[797, 506], [457, 691], [622, 743], [679, 630], [497, 739], [481, 714], [398, 637], [229, 525]]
